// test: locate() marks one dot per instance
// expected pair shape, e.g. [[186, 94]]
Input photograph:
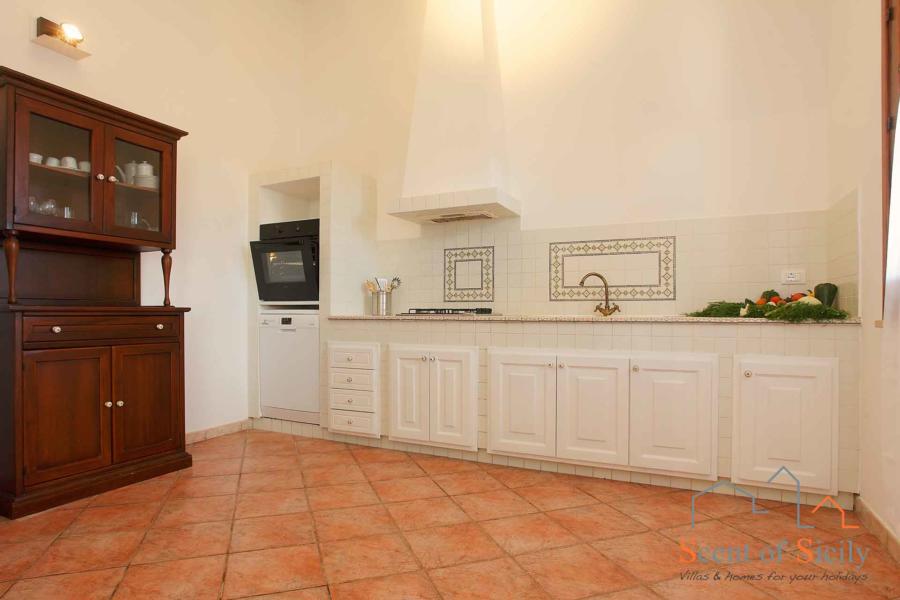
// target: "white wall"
[[200, 66]]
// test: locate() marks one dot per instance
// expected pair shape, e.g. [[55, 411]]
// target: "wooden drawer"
[[351, 379], [353, 356], [76, 329], [354, 422], [352, 400]]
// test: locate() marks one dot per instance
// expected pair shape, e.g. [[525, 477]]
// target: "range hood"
[[456, 167]]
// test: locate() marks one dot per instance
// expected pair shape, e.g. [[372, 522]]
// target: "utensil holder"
[[381, 304]]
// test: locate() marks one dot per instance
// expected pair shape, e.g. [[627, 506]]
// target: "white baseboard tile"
[[204, 434]]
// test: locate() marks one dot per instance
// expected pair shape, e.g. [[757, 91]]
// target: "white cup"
[[52, 161], [35, 157], [84, 165], [68, 162]]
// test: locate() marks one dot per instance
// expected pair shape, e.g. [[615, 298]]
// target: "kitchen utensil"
[[35, 157], [52, 161], [144, 169], [381, 304], [68, 162], [124, 174], [84, 165], [826, 293]]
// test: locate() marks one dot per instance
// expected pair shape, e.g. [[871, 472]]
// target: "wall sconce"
[[63, 38]]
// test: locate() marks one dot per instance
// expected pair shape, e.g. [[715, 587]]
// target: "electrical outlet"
[[793, 276]]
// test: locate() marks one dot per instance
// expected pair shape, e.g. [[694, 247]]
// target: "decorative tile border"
[[484, 292], [663, 289]]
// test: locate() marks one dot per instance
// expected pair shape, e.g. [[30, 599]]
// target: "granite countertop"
[[587, 319]]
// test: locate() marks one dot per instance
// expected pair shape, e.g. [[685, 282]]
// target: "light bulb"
[[71, 33]]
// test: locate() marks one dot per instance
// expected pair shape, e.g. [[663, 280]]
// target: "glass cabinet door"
[[57, 152], [138, 201]]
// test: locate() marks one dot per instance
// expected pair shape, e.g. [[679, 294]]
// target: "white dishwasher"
[[289, 366]]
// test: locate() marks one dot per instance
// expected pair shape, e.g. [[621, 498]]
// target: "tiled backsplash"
[[722, 258]]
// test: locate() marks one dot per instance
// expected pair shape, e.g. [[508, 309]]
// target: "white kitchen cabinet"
[[434, 395], [673, 413], [785, 415], [354, 399], [522, 402], [592, 408]]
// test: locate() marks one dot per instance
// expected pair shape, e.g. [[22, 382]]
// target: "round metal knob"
[[562, 365], [113, 179], [349, 421], [107, 404], [349, 380], [349, 359], [56, 329], [424, 358], [635, 368], [160, 326], [349, 400], [748, 373], [431, 359], [120, 403], [100, 176]]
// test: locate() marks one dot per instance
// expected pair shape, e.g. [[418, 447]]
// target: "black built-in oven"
[[286, 261]]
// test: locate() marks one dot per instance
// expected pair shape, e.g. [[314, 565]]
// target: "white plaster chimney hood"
[[456, 167]]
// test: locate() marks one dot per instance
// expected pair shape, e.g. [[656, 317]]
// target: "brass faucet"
[[605, 310]]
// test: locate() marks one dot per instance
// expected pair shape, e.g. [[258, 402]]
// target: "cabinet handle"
[[160, 326], [635, 368], [424, 358], [349, 421], [431, 359], [120, 403], [107, 404], [100, 176], [349, 380], [550, 365], [349, 400], [562, 365], [748, 373], [56, 329], [349, 359], [113, 179]]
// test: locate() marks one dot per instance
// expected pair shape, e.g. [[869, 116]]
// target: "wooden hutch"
[[91, 382]]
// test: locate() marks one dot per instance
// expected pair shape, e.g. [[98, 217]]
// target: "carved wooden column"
[[11, 250], [167, 271]]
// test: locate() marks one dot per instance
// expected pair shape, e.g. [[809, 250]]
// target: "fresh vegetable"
[[826, 293], [808, 300], [776, 299], [797, 295], [806, 311], [792, 312], [769, 294]]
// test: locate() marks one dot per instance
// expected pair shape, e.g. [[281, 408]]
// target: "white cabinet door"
[[785, 415], [673, 414], [592, 408], [522, 403], [409, 393], [453, 398]]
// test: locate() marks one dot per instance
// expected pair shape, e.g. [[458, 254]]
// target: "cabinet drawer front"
[[351, 379], [353, 400], [353, 422], [74, 329], [352, 357]]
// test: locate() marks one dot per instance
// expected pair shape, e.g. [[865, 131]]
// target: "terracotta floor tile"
[[400, 490], [361, 558], [185, 511], [528, 533], [92, 585], [269, 481], [807, 582], [260, 533], [319, 593], [637, 593], [500, 579], [826, 519], [279, 502], [16, 558], [391, 470], [429, 512], [188, 541], [596, 522], [882, 571], [270, 448], [609, 490], [771, 527], [326, 459], [378, 455], [314, 445], [467, 482], [494, 505], [87, 553], [408, 586], [647, 556], [257, 435], [452, 545], [213, 449], [706, 534], [188, 579], [208, 468], [48, 523], [661, 510], [138, 493], [5, 585], [273, 570], [722, 505], [341, 496], [121, 517], [278, 462], [575, 572], [436, 465], [722, 589], [555, 496], [199, 487], [333, 475], [516, 478], [344, 523]]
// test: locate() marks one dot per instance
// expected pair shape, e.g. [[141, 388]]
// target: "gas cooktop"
[[424, 312]]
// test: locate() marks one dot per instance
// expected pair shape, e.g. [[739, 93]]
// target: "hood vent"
[[456, 217], [470, 205]]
